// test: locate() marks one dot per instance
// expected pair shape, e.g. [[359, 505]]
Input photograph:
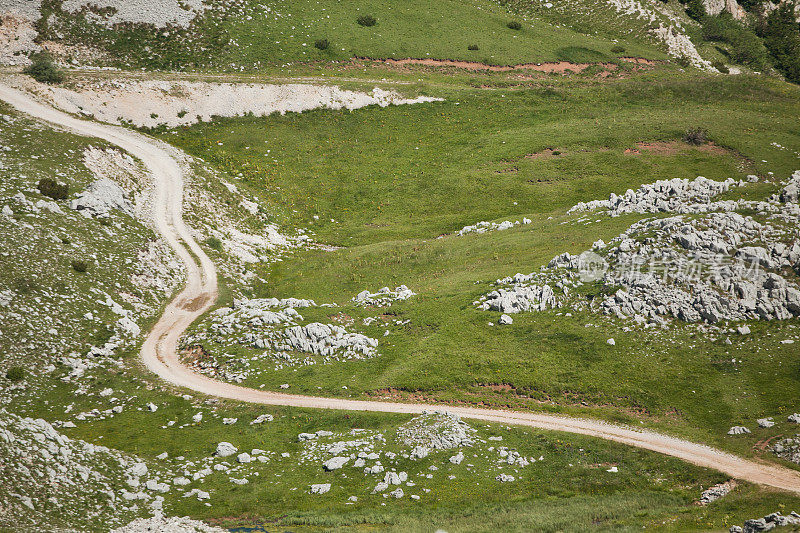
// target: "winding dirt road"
[[159, 350]]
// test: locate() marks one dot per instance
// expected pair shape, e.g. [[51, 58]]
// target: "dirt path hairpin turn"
[[159, 349]]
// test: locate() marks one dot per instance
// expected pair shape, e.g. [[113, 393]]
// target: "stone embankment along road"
[[159, 349]]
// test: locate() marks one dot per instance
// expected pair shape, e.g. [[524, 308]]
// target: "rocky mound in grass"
[[437, 430]]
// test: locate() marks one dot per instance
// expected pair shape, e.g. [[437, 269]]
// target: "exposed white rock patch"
[[663, 196], [438, 430], [150, 103], [158, 13], [484, 227], [738, 430], [164, 524], [277, 328], [716, 492], [17, 32], [100, 198], [384, 297]]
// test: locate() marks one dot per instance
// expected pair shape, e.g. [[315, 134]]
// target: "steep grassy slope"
[[248, 35], [392, 182]]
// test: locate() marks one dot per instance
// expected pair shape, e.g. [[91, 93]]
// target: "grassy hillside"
[[250, 35], [392, 183]]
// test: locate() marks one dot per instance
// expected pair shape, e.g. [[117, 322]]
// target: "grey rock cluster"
[[47, 472], [100, 198], [663, 196], [788, 449], [767, 523], [327, 340], [716, 492], [519, 297], [275, 326], [710, 268], [384, 297], [437, 430], [483, 226], [738, 430], [165, 524], [791, 193]]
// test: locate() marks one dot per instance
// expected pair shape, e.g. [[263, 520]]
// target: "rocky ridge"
[[713, 266]]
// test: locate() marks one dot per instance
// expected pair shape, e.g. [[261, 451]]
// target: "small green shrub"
[[556, 152], [43, 69], [321, 44], [15, 374], [720, 66], [472, 47], [52, 189], [618, 50], [182, 113], [695, 136], [366, 20], [214, 244], [514, 25], [79, 266], [154, 115], [683, 61]]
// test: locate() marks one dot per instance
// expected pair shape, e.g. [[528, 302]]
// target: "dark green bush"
[[748, 49], [182, 113], [79, 266], [720, 66], [618, 50], [472, 47], [745, 48], [514, 25], [695, 9], [695, 136], [366, 20], [43, 69], [214, 244], [15, 374], [321, 44], [52, 189]]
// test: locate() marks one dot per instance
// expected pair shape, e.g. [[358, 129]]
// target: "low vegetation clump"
[[618, 50], [214, 244], [44, 70], [695, 136], [366, 20], [15, 374], [720, 66], [52, 189], [514, 25], [472, 47], [79, 266], [321, 44]]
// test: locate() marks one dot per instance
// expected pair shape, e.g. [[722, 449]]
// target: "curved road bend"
[[159, 351]]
